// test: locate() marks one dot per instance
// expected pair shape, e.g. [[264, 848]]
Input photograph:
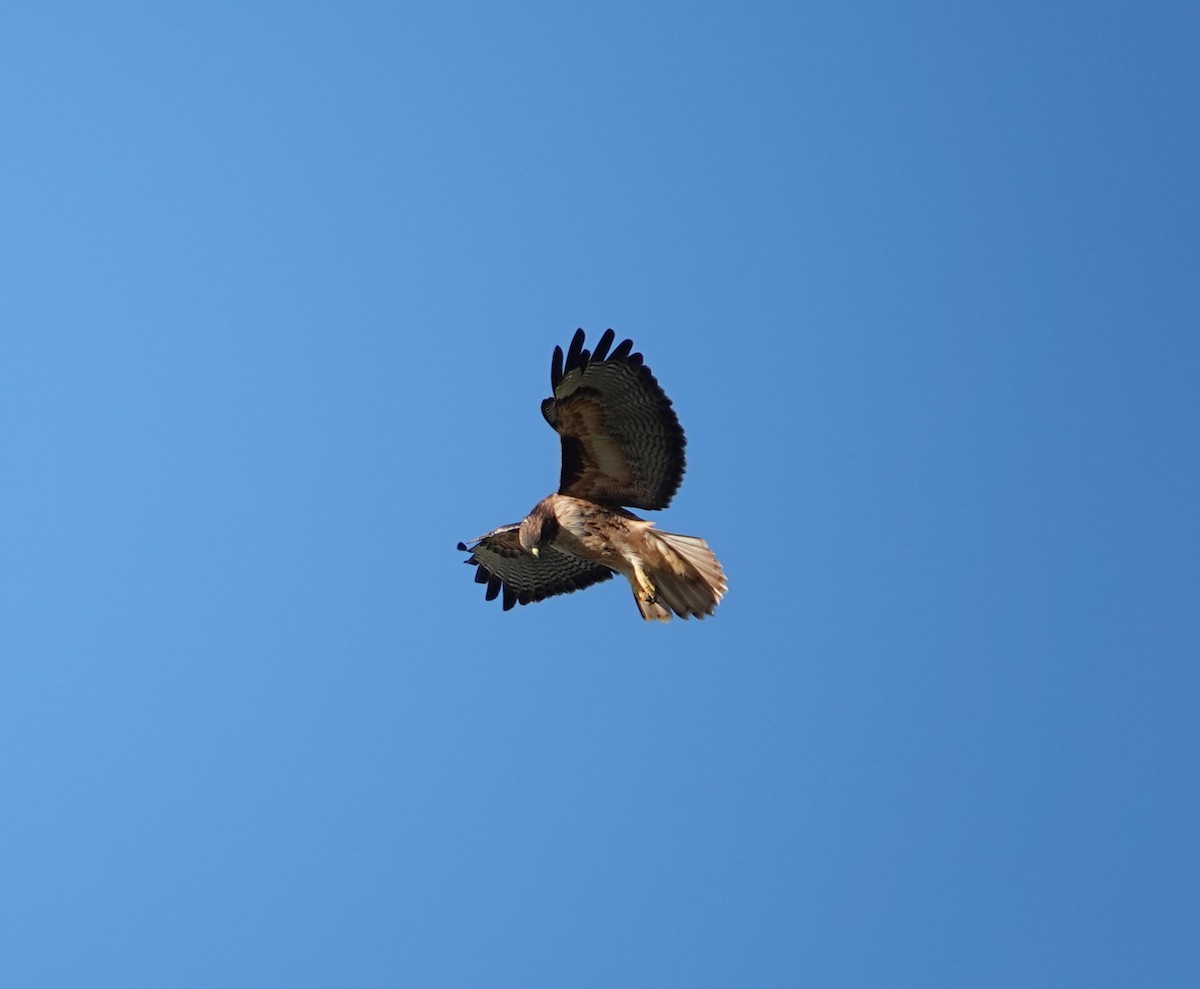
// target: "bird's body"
[[661, 567], [622, 445]]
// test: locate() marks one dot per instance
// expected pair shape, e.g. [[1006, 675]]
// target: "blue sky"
[[282, 285]]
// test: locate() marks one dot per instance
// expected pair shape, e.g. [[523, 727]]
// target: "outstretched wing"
[[523, 578], [621, 441]]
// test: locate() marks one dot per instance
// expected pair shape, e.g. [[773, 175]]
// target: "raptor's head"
[[538, 529]]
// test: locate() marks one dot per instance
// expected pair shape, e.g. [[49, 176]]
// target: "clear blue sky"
[[281, 284]]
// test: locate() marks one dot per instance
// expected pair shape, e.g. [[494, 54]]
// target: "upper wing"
[[621, 440], [502, 565]]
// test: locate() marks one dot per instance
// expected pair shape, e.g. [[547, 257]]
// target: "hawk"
[[622, 447]]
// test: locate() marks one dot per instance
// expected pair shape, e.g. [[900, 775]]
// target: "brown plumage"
[[621, 445]]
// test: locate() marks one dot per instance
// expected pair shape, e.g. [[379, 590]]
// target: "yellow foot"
[[648, 593]]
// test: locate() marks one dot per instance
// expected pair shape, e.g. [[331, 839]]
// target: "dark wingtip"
[[601, 350], [463, 548], [493, 588], [556, 368], [575, 350], [622, 351]]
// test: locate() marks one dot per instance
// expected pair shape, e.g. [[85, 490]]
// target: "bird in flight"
[[622, 447]]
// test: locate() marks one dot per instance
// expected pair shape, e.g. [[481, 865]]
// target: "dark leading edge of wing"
[[523, 579], [621, 440]]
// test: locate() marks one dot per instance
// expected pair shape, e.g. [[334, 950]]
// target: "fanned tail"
[[687, 577]]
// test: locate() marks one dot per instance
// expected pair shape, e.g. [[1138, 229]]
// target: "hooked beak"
[[533, 550]]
